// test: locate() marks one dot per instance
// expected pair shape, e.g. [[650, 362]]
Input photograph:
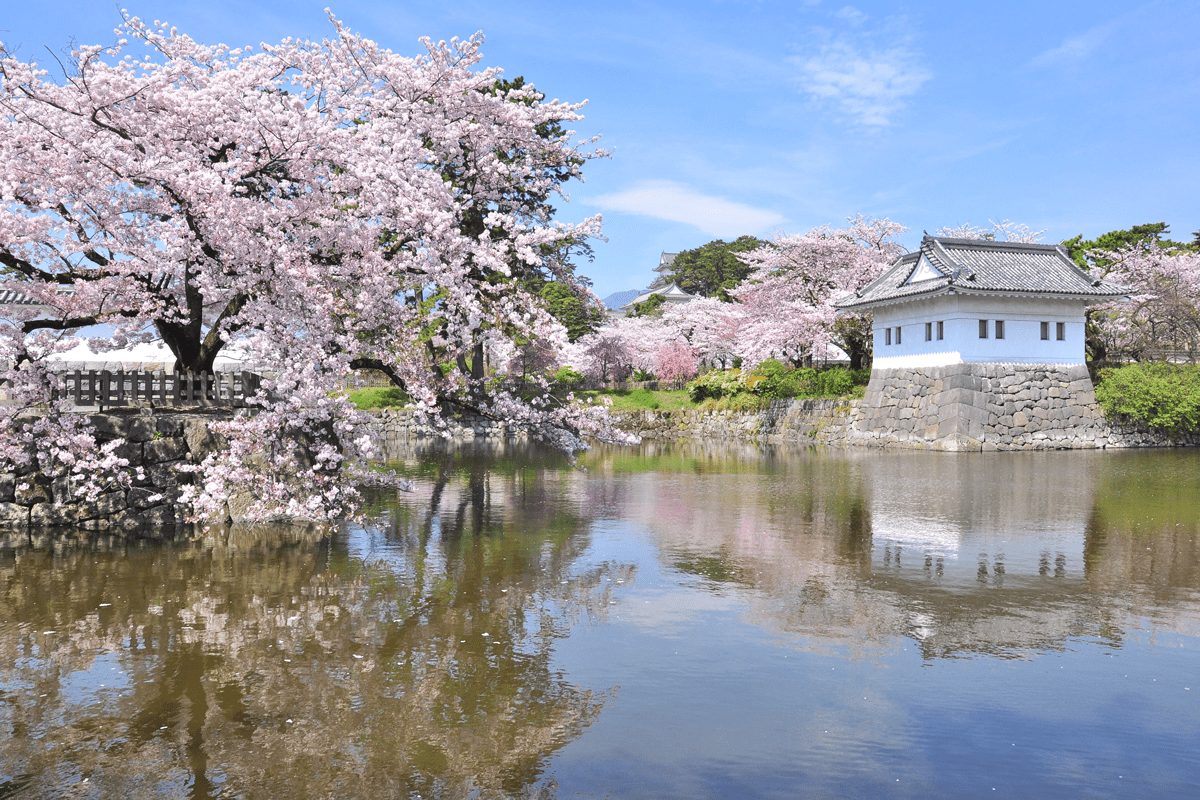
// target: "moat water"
[[664, 622]]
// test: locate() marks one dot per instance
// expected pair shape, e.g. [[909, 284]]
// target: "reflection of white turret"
[[1003, 515]]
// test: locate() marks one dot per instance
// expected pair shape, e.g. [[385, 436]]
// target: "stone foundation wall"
[[783, 421], [968, 407], [993, 407], [158, 443], [394, 429]]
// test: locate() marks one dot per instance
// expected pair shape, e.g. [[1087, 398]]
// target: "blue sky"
[[725, 118]]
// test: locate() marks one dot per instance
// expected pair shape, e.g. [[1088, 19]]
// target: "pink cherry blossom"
[[327, 206]]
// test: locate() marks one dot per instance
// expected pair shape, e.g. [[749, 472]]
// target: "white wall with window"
[[957, 328]]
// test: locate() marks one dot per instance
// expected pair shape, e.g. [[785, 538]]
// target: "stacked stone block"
[[993, 407], [157, 443]]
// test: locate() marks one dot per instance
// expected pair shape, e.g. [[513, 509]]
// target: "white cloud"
[[868, 84], [676, 202], [1075, 49]]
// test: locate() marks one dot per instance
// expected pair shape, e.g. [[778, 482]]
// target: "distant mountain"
[[617, 299]]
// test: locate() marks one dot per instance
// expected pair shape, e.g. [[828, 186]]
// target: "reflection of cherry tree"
[[414, 658], [862, 552]]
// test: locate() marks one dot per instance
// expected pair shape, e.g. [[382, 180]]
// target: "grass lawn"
[[643, 399], [378, 397]]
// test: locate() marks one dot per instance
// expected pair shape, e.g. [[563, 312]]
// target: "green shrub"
[[642, 375], [774, 380], [1161, 396], [715, 384], [836, 382], [568, 377]]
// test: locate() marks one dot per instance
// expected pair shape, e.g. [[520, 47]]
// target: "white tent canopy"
[[146, 356]]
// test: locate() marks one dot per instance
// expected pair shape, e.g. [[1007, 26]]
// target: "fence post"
[[91, 392], [105, 387]]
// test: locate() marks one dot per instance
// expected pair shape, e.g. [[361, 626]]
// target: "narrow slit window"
[[999, 329], [941, 330], [887, 335], [898, 337], [929, 331], [983, 329], [1060, 331], [1045, 331]]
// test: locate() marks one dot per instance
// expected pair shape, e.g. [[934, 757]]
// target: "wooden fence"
[[122, 388]]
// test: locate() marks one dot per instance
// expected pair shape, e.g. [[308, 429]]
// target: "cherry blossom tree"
[[1162, 317], [709, 326], [675, 362], [601, 356], [1003, 231], [328, 206], [789, 297]]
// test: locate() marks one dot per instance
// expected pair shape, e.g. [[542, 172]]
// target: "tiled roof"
[[979, 266], [670, 292]]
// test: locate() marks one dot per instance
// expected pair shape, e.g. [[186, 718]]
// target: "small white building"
[[964, 301]]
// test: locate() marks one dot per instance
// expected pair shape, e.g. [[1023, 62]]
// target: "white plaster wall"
[[960, 314]]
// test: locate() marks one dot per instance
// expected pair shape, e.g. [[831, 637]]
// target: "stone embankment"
[[783, 421], [961, 408], [968, 407], [393, 429], [994, 407], [157, 443]]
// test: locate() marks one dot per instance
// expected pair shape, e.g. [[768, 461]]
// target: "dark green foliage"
[[779, 381], [712, 270], [1084, 251], [650, 307], [1161, 396], [574, 310]]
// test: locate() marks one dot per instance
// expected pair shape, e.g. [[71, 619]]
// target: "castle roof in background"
[[943, 265], [671, 293]]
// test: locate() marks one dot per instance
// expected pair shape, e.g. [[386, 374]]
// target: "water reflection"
[[1004, 555], [414, 658], [423, 653]]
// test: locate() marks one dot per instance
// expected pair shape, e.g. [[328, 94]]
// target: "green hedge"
[[1161, 396], [773, 380]]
